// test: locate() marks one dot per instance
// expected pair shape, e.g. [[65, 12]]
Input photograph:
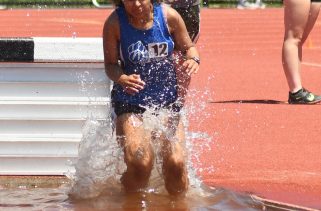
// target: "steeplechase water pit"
[[56, 123]]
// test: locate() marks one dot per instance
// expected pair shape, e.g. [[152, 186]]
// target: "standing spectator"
[[190, 12], [244, 4], [299, 19]]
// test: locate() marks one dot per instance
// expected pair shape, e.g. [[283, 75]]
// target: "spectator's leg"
[[296, 16], [314, 13], [191, 17]]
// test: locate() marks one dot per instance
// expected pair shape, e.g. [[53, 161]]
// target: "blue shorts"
[[122, 108]]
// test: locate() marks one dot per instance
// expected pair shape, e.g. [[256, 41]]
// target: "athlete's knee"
[[176, 178], [174, 165], [139, 159]]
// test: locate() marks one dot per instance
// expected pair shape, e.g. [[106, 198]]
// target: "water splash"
[[74, 35], [85, 82], [100, 163]]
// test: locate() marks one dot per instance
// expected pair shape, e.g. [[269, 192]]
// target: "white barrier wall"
[[43, 106], [51, 49], [68, 49]]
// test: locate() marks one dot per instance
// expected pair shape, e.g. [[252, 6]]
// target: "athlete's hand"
[[131, 84], [191, 66]]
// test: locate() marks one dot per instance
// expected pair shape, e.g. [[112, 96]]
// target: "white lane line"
[[311, 64]]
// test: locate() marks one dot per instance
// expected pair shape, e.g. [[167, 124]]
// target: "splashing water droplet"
[[100, 158], [74, 35]]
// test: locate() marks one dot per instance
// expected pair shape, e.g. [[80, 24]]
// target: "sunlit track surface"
[[260, 144]]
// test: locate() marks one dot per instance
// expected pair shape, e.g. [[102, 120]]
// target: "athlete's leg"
[[297, 26], [174, 155], [138, 153]]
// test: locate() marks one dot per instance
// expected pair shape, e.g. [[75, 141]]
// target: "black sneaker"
[[303, 96]]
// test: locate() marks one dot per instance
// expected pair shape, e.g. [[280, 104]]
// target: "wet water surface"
[[28, 198], [95, 185]]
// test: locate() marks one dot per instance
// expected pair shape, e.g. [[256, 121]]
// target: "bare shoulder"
[[112, 22], [112, 19], [171, 14], [172, 17]]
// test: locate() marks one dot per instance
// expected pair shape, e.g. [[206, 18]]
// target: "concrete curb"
[[51, 49], [279, 206]]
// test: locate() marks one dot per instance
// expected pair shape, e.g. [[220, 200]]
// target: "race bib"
[[157, 50]]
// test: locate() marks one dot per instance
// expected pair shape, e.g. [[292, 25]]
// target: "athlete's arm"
[[111, 35], [182, 40]]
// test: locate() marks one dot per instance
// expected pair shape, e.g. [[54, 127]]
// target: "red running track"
[[260, 144]]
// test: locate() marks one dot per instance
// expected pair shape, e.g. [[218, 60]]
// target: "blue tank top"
[[149, 54]]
